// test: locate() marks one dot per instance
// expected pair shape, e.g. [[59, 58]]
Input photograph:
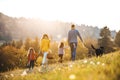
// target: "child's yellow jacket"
[[45, 45]]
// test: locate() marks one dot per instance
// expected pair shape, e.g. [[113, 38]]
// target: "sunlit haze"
[[90, 12]]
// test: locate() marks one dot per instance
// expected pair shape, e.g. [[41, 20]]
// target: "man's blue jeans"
[[73, 47]]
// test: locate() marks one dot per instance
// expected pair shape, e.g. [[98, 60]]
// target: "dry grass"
[[106, 67]]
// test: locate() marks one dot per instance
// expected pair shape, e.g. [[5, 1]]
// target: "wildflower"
[[6, 76], [91, 62], [39, 70], [72, 77], [24, 73], [98, 63], [70, 65], [59, 69], [12, 75], [103, 64], [85, 61]]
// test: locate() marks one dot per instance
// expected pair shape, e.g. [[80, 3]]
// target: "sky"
[[89, 12]]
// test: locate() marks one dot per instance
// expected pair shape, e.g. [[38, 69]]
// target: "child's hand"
[[66, 47], [50, 51]]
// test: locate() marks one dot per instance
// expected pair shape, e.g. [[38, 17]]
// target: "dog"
[[99, 51]]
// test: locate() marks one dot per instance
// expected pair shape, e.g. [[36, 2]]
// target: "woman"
[[44, 47]]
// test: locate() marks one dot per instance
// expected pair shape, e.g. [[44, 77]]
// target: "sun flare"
[[89, 12]]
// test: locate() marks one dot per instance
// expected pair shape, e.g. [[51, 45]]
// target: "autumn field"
[[106, 67]]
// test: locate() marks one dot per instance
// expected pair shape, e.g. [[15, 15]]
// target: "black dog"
[[99, 51]]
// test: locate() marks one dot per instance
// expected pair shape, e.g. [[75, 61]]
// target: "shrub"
[[82, 52], [11, 58]]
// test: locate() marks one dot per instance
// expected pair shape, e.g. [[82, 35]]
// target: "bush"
[[82, 52], [88, 42], [11, 58]]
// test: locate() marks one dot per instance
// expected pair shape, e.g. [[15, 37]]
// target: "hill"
[[20, 28], [106, 67]]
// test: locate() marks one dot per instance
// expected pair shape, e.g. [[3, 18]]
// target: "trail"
[[50, 67]]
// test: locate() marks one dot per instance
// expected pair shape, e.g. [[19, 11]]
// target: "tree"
[[13, 43], [19, 44], [106, 40], [27, 43], [105, 32], [36, 44], [7, 37], [117, 39]]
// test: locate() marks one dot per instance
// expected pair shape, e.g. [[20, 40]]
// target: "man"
[[72, 41]]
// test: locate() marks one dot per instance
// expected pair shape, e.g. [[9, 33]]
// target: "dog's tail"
[[93, 46]]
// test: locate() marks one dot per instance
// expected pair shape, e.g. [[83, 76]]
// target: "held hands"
[[66, 47]]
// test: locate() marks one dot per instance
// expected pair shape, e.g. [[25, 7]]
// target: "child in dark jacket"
[[31, 58]]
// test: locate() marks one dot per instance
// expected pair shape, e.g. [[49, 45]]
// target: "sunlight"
[[88, 12], [65, 39], [59, 36]]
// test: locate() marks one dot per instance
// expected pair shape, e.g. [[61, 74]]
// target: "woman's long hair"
[[61, 45], [45, 35]]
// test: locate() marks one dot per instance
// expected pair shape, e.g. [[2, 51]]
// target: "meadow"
[[106, 67]]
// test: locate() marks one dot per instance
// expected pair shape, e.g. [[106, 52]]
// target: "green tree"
[[7, 37], [106, 40], [105, 32], [117, 39]]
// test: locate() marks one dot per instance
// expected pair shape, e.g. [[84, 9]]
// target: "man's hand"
[[83, 45]]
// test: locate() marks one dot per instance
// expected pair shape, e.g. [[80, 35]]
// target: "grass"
[[106, 67]]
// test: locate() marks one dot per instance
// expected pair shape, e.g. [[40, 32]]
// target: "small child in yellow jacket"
[[44, 47]]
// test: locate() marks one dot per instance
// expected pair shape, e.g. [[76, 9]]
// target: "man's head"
[[72, 26]]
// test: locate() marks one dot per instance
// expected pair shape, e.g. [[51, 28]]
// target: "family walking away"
[[45, 48]]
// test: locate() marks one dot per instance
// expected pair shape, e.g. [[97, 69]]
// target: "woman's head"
[[45, 36], [61, 45]]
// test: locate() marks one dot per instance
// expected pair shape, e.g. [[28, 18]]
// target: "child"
[[31, 58], [44, 47], [61, 51]]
